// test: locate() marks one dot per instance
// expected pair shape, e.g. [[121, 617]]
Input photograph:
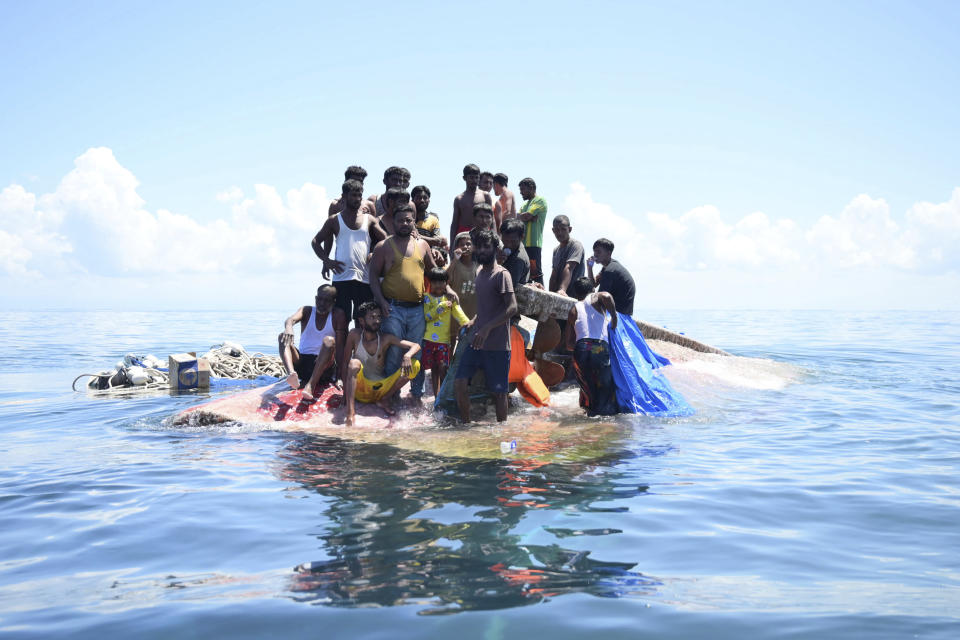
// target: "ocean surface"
[[814, 494]]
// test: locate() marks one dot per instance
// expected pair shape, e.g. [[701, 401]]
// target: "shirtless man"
[[363, 374], [463, 203], [356, 232], [401, 261], [353, 172], [323, 329], [393, 198], [505, 207], [482, 221], [486, 183], [393, 178]]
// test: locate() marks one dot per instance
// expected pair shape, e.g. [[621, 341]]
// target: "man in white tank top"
[[323, 332], [591, 324], [356, 233]]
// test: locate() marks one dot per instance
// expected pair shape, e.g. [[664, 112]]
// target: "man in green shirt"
[[533, 213]]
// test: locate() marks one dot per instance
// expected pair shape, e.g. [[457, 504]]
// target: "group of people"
[[410, 291]]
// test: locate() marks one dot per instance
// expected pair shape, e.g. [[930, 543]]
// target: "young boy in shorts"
[[438, 313]]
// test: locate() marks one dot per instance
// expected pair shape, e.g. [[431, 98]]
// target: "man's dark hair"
[[351, 185], [327, 288], [486, 174], [404, 173], [367, 307], [436, 274], [604, 244], [483, 206], [487, 236], [581, 288], [390, 171], [404, 208], [471, 169], [500, 179], [419, 189], [355, 172], [513, 225], [396, 194], [528, 182], [562, 219]]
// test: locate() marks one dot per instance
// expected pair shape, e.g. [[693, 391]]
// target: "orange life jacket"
[[528, 381]]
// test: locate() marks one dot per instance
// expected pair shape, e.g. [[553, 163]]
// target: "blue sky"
[[751, 154]]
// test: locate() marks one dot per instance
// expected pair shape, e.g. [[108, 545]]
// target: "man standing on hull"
[[355, 233], [323, 331], [614, 279], [533, 213], [393, 178], [463, 204], [352, 173], [590, 325], [489, 336], [568, 262], [401, 261], [506, 206]]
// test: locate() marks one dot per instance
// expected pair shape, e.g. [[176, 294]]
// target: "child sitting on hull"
[[365, 354], [589, 325], [323, 330]]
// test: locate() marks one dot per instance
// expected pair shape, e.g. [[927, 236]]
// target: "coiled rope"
[[226, 360], [229, 361]]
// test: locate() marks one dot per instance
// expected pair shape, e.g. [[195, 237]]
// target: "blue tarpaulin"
[[639, 389]]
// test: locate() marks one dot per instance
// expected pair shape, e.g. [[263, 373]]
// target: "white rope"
[[244, 366], [226, 360]]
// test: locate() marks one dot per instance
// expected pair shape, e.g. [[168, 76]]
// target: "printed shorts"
[[434, 354]]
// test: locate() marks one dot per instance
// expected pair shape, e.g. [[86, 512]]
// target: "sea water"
[[814, 494]]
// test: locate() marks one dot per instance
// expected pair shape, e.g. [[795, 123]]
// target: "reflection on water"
[[413, 528]]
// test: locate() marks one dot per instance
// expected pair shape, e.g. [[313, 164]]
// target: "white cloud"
[[232, 194], [95, 226], [933, 230], [863, 234], [96, 222]]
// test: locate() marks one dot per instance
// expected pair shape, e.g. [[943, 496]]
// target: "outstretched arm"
[[570, 332], [376, 270], [608, 304], [322, 243], [412, 349], [455, 220], [297, 316]]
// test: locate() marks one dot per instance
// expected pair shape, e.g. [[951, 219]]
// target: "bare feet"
[[348, 421], [293, 381], [308, 393], [385, 404]]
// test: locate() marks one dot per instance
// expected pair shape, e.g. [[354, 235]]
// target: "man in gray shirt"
[[568, 259]]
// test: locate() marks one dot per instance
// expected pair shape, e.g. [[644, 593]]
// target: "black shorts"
[[350, 295], [495, 365], [304, 369]]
